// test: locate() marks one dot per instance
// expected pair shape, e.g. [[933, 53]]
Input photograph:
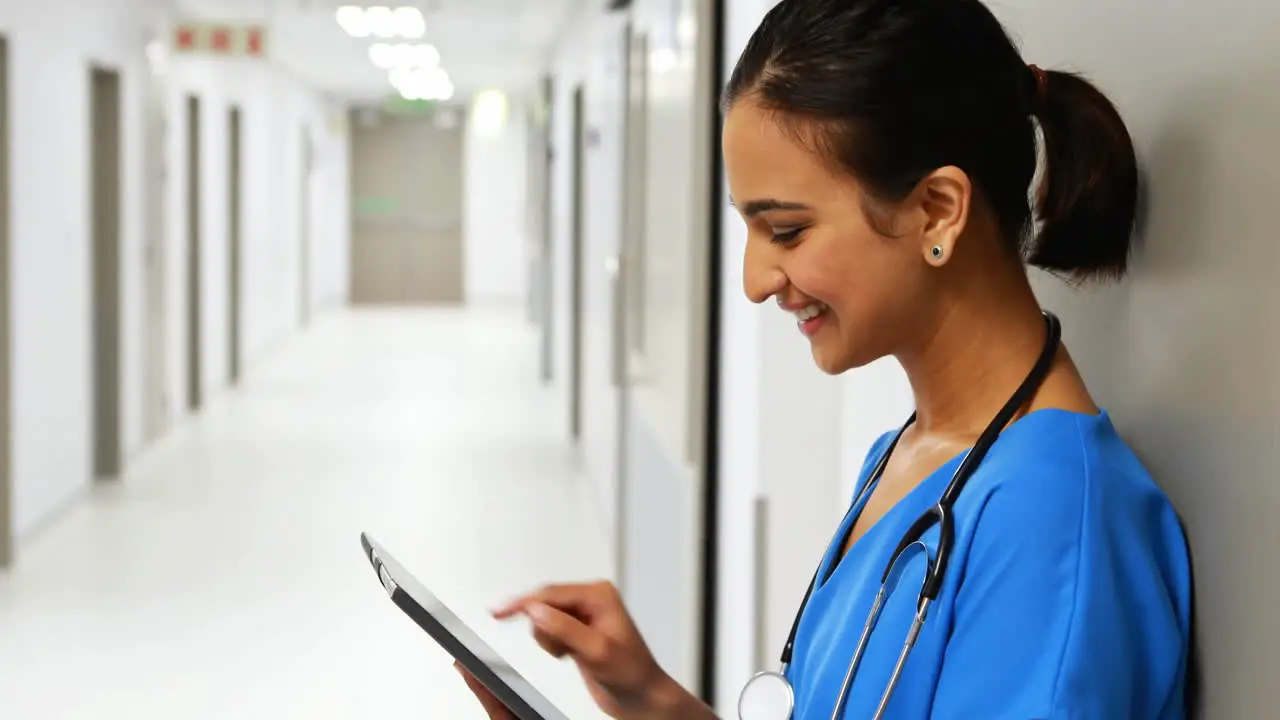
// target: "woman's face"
[[810, 246]]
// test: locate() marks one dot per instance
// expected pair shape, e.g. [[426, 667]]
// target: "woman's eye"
[[783, 237]]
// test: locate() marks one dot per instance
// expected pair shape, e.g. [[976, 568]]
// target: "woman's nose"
[[761, 277]]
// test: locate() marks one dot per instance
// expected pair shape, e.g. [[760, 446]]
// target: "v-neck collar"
[[833, 561]]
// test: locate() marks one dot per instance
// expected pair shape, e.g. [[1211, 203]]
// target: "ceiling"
[[483, 43]]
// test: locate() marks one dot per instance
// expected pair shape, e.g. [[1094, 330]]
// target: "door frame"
[[104, 310], [577, 242], [6, 349], [195, 394], [235, 198], [710, 590]]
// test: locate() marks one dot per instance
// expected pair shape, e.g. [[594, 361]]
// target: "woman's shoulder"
[[1074, 458], [1071, 478]]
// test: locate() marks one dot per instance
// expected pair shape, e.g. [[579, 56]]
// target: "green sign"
[[399, 105], [375, 205]]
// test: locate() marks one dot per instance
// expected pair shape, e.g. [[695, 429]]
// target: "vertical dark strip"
[[193, 253], [711, 486]]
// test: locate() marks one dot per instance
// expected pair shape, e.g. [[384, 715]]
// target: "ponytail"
[[1088, 197]]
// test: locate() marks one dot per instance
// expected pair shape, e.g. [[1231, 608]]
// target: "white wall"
[[50, 48], [278, 114], [495, 237], [50, 263], [790, 436]]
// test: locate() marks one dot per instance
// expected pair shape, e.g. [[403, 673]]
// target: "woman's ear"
[[944, 197]]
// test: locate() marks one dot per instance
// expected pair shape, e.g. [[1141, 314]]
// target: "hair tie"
[[1041, 83]]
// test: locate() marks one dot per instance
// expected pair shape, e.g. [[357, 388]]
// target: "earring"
[[936, 252]]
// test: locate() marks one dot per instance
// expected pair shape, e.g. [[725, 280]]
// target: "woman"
[[881, 153]]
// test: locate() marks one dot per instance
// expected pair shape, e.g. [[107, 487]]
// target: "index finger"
[[575, 599]]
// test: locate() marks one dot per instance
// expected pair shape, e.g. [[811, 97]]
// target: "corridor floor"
[[223, 579]]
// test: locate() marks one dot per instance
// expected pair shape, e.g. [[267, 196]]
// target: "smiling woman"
[[1006, 555]]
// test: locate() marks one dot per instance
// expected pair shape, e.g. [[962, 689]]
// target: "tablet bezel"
[[445, 628]]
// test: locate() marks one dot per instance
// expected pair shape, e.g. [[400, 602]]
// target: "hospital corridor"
[[638, 359], [221, 577]]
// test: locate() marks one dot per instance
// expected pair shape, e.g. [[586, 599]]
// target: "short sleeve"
[[1062, 610]]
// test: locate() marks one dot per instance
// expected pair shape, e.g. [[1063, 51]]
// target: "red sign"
[[221, 40], [253, 44]]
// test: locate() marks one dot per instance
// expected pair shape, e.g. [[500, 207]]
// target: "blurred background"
[[463, 274]]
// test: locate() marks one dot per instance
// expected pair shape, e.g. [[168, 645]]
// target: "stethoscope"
[[769, 695]]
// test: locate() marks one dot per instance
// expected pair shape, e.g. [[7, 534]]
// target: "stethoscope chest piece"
[[767, 696]]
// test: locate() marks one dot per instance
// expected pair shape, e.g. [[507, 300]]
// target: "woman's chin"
[[830, 358]]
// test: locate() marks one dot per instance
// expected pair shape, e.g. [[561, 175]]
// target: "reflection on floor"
[[223, 579]]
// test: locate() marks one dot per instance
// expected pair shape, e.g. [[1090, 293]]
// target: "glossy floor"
[[222, 578]]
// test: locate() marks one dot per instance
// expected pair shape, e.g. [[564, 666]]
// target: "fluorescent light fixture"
[[409, 23], [425, 55], [353, 21], [382, 55], [381, 21], [385, 56], [420, 83], [489, 112]]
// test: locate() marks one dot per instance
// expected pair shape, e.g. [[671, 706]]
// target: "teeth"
[[810, 312]]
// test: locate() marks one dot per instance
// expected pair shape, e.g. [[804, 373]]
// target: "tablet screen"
[[430, 612]]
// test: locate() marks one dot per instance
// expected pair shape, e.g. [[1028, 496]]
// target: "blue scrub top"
[[1068, 594]]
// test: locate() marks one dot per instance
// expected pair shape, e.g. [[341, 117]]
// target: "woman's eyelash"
[[782, 238]]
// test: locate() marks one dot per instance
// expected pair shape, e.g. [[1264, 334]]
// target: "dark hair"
[[891, 90]]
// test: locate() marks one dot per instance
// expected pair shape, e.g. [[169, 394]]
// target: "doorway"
[[104, 129], [6, 366], [406, 225], [194, 395], [233, 244], [575, 266]]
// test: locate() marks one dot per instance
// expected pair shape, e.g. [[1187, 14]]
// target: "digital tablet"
[[460, 641]]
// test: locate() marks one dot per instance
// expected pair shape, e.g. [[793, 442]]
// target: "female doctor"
[[881, 153]]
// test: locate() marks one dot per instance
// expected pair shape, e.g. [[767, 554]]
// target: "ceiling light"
[[489, 112], [382, 22], [409, 23], [385, 56], [426, 55], [419, 83], [353, 21], [382, 55]]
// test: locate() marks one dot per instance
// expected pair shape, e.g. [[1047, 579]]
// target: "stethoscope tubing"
[[935, 569]]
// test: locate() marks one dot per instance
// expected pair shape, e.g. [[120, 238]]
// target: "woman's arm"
[[673, 702]]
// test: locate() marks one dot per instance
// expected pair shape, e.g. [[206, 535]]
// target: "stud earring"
[[936, 252]]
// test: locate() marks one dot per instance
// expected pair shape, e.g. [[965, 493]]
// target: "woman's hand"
[[488, 701], [589, 624]]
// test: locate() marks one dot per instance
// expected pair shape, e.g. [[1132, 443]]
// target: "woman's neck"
[[972, 359]]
